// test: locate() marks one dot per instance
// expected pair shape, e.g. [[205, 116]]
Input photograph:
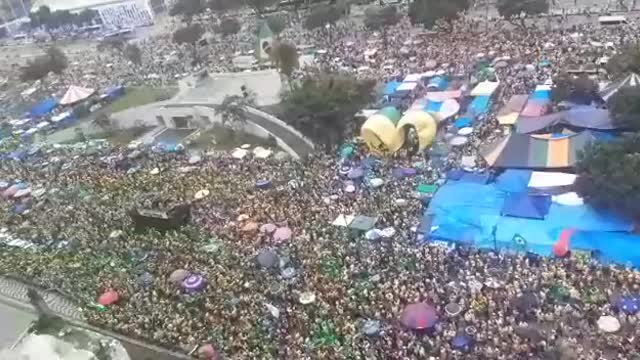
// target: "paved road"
[[13, 322]]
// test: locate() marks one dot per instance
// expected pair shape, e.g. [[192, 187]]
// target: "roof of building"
[[72, 4]]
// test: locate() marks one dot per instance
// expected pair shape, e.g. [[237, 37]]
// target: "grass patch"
[[121, 136], [137, 97]]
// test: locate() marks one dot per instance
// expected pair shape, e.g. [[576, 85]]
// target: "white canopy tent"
[[75, 94]]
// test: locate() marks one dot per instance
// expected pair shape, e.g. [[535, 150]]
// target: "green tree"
[[428, 12], [379, 18], [132, 53], [259, 5], [223, 5], [624, 107], [608, 175], [53, 60], [189, 34], [276, 23], [232, 109], [628, 60], [285, 58], [322, 105], [520, 9], [228, 26], [323, 15], [576, 89], [186, 8]]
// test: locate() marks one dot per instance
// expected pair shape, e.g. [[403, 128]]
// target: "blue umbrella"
[[462, 342], [263, 184], [20, 208], [629, 305], [355, 173]]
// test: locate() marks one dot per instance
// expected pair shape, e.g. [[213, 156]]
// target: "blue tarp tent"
[[526, 206], [471, 213], [479, 105], [541, 95], [44, 107], [390, 87], [514, 180], [114, 92], [462, 122], [438, 82]]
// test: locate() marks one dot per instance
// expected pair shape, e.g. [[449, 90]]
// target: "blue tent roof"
[[523, 205], [390, 87], [438, 82], [470, 212], [462, 122], [44, 107], [514, 180], [542, 95], [479, 105]]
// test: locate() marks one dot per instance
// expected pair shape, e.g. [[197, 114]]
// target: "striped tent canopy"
[[75, 94], [537, 151], [632, 79]]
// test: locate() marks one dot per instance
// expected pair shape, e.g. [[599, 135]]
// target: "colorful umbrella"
[[608, 324], [194, 159], [202, 194], [268, 228], [462, 342], [178, 276], [263, 184], [145, 279], [355, 173], [108, 298], [250, 227], [409, 171], [4, 184], [419, 316], [194, 282], [629, 305], [561, 247], [208, 352], [267, 258], [281, 235]]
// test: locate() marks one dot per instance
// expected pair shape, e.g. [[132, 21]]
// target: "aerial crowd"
[[262, 271]]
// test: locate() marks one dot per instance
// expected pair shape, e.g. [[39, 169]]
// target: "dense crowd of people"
[[322, 291]]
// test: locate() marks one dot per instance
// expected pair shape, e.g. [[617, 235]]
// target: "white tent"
[[75, 94], [343, 220], [485, 88], [632, 79]]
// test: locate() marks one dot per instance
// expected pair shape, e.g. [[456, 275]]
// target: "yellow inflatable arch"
[[426, 127], [380, 133]]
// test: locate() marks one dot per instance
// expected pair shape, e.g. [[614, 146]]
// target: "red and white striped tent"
[[75, 94]]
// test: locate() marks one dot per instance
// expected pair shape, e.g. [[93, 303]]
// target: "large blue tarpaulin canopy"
[[44, 107], [472, 213]]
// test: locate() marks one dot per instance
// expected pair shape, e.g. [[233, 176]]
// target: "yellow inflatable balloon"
[[426, 126]]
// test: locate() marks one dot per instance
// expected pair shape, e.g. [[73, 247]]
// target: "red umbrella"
[[561, 247], [108, 298], [419, 316], [281, 235]]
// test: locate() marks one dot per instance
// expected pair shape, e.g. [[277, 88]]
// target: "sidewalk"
[[13, 293]]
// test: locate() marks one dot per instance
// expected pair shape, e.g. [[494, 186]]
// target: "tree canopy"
[[259, 5], [54, 60], [428, 12], [322, 105], [578, 90], [231, 110], [276, 23], [512, 9], [53, 20], [223, 5], [132, 53], [628, 60], [229, 26], [188, 34], [186, 8], [608, 175], [380, 17], [322, 15], [285, 57], [624, 107]]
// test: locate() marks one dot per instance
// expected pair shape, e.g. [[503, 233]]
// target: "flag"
[[265, 41]]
